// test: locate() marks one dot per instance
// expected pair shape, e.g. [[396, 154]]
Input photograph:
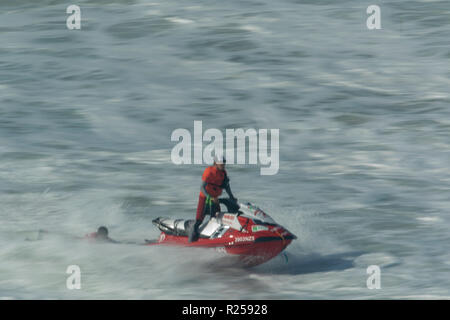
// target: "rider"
[[214, 179]]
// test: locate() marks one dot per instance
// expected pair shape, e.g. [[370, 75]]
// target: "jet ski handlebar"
[[231, 205]]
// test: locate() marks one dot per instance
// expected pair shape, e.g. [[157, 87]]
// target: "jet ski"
[[242, 230]]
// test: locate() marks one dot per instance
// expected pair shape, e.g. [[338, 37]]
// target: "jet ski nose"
[[289, 235]]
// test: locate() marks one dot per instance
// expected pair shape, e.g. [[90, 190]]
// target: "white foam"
[[429, 219], [179, 20]]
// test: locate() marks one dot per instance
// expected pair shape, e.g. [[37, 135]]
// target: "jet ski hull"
[[250, 249], [251, 238]]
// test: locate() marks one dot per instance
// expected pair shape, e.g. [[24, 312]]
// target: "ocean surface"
[[86, 118]]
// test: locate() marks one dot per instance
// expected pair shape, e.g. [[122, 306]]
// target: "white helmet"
[[219, 159]]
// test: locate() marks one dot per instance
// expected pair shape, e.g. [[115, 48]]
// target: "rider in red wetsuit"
[[100, 235], [214, 179]]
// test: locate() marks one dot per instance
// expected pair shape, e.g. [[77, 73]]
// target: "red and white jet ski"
[[244, 230]]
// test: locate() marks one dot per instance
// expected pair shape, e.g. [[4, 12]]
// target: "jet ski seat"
[[181, 227]]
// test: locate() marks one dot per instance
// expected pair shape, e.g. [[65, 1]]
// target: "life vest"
[[214, 179]]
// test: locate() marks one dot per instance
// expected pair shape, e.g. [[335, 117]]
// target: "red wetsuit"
[[91, 236], [214, 179]]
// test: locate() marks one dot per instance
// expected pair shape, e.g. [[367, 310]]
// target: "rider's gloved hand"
[[197, 224], [194, 234]]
